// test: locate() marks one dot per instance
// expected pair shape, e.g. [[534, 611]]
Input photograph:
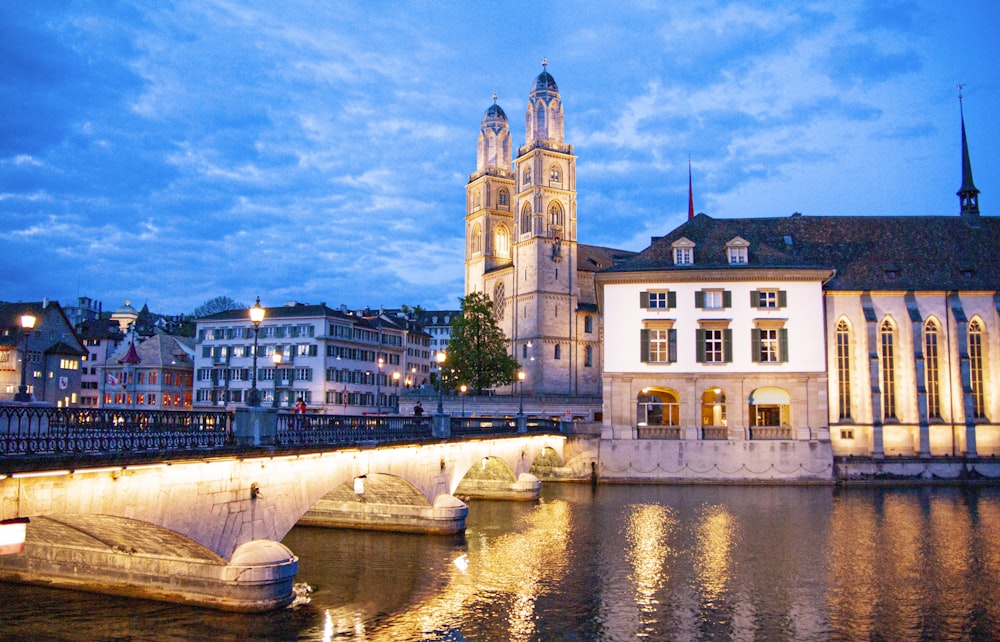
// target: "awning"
[[769, 396]]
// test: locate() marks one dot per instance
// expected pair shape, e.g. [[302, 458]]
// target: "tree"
[[477, 350], [216, 305]]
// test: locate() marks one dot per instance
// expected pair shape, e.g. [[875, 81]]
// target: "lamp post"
[[27, 323], [464, 388], [395, 381], [520, 402], [256, 316], [276, 358], [378, 387], [440, 358]]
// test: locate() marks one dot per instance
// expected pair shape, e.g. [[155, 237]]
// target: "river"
[[613, 562]]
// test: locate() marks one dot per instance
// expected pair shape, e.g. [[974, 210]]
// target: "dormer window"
[[683, 251], [737, 251]]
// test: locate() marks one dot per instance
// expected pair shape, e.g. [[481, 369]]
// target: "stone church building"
[[522, 248]]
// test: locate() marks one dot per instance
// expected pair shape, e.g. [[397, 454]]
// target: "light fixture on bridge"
[[520, 402], [395, 380], [276, 358], [359, 484], [463, 389], [12, 535], [440, 357], [27, 323], [256, 317]]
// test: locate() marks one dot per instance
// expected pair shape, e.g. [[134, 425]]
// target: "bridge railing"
[[467, 426], [295, 429], [27, 430]]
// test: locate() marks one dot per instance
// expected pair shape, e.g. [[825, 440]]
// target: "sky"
[[319, 152]]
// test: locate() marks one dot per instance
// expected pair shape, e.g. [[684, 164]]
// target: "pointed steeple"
[[968, 195], [690, 193]]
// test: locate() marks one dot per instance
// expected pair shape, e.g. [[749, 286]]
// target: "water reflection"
[[615, 563]]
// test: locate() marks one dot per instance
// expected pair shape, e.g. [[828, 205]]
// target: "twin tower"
[[521, 247]]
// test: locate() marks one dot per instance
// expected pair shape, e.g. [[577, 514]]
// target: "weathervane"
[[960, 92]]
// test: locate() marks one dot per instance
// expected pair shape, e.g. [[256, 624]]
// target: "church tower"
[[545, 284], [489, 215]]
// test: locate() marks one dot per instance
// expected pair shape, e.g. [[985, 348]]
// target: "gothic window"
[[477, 238], [526, 219], [588, 360], [588, 324], [932, 339], [503, 198], [556, 215], [527, 176], [844, 369], [499, 301], [477, 200], [557, 352], [554, 175], [887, 335], [502, 243], [976, 368]]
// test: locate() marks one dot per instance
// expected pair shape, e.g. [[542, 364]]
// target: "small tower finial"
[[494, 97], [545, 62], [960, 92]]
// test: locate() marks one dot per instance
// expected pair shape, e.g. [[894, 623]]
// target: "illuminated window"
[[502, 242], [713, 407], [844, 369], [526, 219], [976, 368], [655, 407], [887, 344], [931, 374], [555, 215]]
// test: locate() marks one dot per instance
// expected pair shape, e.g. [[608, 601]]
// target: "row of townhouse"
[[335, 361]]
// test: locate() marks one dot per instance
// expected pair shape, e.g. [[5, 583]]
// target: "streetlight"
[[440, 358], [27, 323], [395, 381], [256, 316], [378, 387], [520, 403], [276, 358], [463, 388]]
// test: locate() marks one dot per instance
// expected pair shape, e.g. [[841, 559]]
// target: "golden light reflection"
[[514, 568], [648, 529], [716, 535]]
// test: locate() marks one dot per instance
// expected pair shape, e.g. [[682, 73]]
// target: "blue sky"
[[318, 152]]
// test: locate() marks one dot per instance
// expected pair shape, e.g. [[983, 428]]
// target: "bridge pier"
[[120, 556]]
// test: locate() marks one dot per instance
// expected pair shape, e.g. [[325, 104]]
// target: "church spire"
[[690, 193], [968, 195]]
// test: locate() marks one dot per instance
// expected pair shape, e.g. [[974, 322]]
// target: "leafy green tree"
[[477, 351]]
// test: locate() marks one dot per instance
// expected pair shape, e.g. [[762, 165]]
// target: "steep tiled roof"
[[595, 257], [867, 252]]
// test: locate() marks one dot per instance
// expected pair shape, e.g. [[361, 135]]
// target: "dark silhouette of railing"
[[30, 430], [27, 431]]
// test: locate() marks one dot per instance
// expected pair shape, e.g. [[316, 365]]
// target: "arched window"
[[713, 407], [477, 238], [499, 301], [976, 368], [844, 369], [932, 339], [526, 218], [887, 345], [588, 359], [503, 198], [557, 352], [554, 174], [526, 180], [556, 214], [477, 200], [501, 244], [770, 407], [657, 407]]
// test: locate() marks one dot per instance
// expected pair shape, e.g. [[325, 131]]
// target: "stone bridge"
[[208, 530]]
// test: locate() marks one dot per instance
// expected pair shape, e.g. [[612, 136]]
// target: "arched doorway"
[[658, 413]]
